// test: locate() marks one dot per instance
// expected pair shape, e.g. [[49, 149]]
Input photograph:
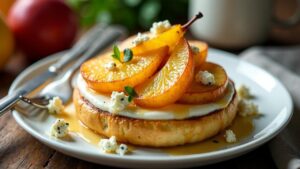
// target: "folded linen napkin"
[[284, 63]]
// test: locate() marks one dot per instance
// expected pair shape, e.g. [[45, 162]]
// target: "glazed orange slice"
[[201, 55], [170, 83], [136, 71], [198, 93]]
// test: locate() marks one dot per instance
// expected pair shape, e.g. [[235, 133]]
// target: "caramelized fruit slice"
[[131, 73], [200, 57], [197, 93], [168, 38], [169, 84]]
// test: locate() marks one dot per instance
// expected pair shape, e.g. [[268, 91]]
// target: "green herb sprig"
[[116, 53], [130, 92], [128, 54]]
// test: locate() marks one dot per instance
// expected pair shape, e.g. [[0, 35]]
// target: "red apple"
[[42, 27]]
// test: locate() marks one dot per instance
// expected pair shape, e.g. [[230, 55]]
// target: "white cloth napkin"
[[284, 63]]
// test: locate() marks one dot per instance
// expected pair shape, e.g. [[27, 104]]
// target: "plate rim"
[[238, 149]]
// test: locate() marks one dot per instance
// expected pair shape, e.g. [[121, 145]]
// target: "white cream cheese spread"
[[174, 111]]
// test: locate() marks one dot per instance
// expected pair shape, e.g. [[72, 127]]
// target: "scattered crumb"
[[108, 145], [247, 108], [244, 92], [111, 146], [160, 27], [122, 149], [230, 136], [59, 128], [119, 101], [140, 38], [205, 78], [55, 105]]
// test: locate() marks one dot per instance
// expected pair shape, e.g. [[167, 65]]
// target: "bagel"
[[154, 133]]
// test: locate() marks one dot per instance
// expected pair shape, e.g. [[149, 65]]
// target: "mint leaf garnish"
[[128, 55], [130, 92], [116, 53]]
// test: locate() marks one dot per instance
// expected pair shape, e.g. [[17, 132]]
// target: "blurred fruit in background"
[[42, 27], [5, 6], [6, 42]]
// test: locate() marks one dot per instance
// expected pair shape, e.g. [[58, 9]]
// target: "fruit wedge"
[[200, 57], [168, 38], [170, 83], [197, 93], [136, 71]]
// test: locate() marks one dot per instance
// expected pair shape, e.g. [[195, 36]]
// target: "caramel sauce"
[[77, 127], [242, 127]]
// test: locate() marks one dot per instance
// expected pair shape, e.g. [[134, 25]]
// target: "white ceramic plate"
[[271, 96]]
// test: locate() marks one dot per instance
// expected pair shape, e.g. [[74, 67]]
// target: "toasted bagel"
[[154, 133]]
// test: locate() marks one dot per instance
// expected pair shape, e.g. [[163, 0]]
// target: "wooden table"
[[18, 149]]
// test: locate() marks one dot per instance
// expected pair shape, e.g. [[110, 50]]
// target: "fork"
[[61, 86]]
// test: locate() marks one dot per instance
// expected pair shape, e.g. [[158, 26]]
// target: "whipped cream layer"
[[170, 112]]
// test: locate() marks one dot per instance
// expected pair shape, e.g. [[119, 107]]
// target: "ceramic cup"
[[233, 24]]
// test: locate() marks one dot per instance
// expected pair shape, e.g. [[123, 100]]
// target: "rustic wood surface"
[[18, 149]]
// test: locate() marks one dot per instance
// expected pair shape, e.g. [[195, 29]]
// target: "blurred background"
[[33, 29]]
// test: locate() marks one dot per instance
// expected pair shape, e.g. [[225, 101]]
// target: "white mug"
[[232, 24]]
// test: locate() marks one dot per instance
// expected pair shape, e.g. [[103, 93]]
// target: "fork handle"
[[9, 101]]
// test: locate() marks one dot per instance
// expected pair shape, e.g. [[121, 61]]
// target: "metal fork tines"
[[61, 86]]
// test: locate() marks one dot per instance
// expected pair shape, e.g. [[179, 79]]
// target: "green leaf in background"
[[104, 17], [135, 15], [132, 3], [148, 13]]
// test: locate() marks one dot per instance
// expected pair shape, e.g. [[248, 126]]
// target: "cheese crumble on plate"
[[247, 108], [59, 128], [244, 92], [230, 136], [55, 105], [111, 146]]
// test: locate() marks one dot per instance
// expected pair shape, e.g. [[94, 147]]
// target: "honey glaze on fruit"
[[242, 127], [69, 115]]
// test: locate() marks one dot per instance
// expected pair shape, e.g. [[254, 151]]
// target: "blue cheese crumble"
[[119, 101], [247, 108], [160, 27], [230, 136], [205, 77], [59, 128], [111, 146], [55, 105], [108, 145], [122, 149], [140, 38], [244, 92]]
